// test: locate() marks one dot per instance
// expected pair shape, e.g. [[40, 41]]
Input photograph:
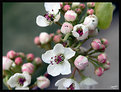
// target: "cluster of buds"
[[90, 6]]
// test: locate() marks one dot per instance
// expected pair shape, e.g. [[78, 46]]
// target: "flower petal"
[[57, 17], [58, 49], [47, 56], [75, 34], [68, 82], [60, 82], [65, 68], [22, 88], [68, 53], [28, 79], [54, 70], [42, 21]]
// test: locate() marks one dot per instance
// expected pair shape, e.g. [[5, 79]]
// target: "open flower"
[[7, 63], [88, 83], [53, 15], [67, 84], [58, 60], [19, 80], [80, 31]]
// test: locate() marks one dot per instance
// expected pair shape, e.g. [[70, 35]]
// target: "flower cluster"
[[81, 22]]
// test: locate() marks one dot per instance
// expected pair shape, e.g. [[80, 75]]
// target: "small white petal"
[[54, 70], [68, 53], [75, 34], [42, 21], [57, 17], [28, 79], [59, 82], [22, 88], [58, 49], [77, 86], [47, 56], [68, 82]]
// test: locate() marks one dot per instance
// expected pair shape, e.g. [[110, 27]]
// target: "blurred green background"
[[20, 29]]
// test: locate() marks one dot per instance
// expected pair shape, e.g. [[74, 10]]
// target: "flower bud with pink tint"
[[61, 5], [51, 35], [78, 10], [36, 40], [57, 38], [91, 4], [66, 7], [102, 48], [105, 42], [38, 60], [43, 82], [95, 45], [99, 71], [18, 61], [97, 40], [28, 67], [21, 54], [11, 54], [44, 37], [81, 62], [102, 58], [66, 28], [30, 57], [58, 31], [90, 11], [106, 66], [70, 15], [82, 6]]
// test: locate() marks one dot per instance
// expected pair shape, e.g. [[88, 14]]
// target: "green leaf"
[[104, 12]]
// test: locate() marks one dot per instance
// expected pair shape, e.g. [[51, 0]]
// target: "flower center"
[[49, 17], [80, 31], [21, 81], [57, 59], [71, 87]]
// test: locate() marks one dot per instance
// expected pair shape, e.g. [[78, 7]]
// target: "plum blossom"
[[51, 16], [80, 31], [19, 80], [88, 83], [58, 60], [67, 84]]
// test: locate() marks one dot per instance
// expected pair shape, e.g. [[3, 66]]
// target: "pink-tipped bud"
[[28, 67], [96, 45], [90, 11], [36, 40], [66, 7], [38, 60], [70, 15], [97, 40], [18, 61], [104, 42], [58, 31], [81, 62], [51, 35], [91, 4], [61, 5], [57, 38], [43, 82], [44, 37], [102, 48], [99, 71], [102, 58], [30, 57], [66, 28], [21, 54], [11, 54], [106, 66], [78, 10], [82, 6]]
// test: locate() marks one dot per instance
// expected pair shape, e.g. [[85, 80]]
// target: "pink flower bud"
[[11, 54], [82, 6], [28, 67], [96, 45], [51, 35], [70, 15], [44, 37], [36, 40], [102, 58], [6, 63], [57, 38], [90, 11], [99, 71], [104, 41], [66, 28], [91, 4], [30, 57], [97, 40], [81, 62], [102, 48], [106, 66], [58, 31], [43, 82], [21, 54], [66, 7], [78, 10], [61, 4], [18, 61], [38, 60]]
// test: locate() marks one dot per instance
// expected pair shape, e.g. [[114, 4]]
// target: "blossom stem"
[[73, 73], [66, 37], [88, 50], [93, 52], [95, 64], [58, 23], [81, 74]]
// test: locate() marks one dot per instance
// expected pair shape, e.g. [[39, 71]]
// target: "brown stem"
[[73, 73]]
